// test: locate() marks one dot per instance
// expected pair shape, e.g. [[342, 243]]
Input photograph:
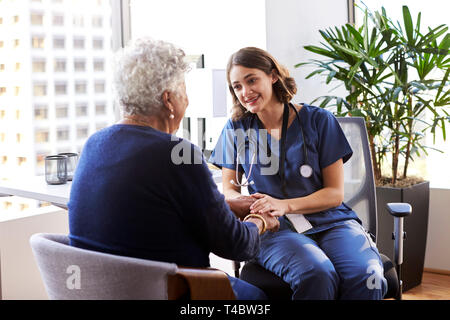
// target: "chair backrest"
[[359, 183], [73, 273]]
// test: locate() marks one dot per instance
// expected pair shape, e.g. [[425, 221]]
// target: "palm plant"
[[388, 72]]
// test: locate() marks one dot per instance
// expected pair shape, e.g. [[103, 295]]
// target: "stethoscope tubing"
[[305, 169]]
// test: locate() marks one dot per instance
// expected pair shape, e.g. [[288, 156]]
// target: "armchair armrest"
[[399, 209], [202, 284]]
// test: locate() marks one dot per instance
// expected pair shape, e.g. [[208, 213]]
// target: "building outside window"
[[61, 111], [60, 65], [37, 42], [59, 42], [40, 90]]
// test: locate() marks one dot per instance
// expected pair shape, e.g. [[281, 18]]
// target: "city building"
[[55, 80]]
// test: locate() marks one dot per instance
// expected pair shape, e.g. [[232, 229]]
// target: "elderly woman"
[[137, 193]]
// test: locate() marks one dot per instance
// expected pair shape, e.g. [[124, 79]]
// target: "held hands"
[[241, 205], [265, 204], [241, 208], [269, 222]]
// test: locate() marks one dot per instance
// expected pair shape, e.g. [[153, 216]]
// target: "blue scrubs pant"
[[246, 291], [338, 263]]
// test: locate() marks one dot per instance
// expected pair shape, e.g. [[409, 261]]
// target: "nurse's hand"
[[269, 205]]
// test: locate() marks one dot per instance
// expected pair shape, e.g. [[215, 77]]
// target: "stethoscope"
[[306, 170]]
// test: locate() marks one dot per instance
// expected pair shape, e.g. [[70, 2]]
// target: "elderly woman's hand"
[[241, 205], [272, 222]]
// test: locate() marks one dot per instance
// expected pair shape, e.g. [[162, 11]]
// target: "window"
[[97, 44], [78, 21], [81, 110], [41, 136], [62, 134], [78, 43], [62, 36], [61, 111], [58, 20], [7, 204], [97, 22], [100, 108], [60, 88], [21, 160], [60, 65], [4, 159], [37, 42], [39, 90], [99, 87], [40, 112], [79, 65], [82, 131], [2, 137], [37, 19], [80, 87], [59, 42], [40, 159], [99, 65], [38, 66]]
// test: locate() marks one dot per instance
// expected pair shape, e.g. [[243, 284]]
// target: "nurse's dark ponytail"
[[251, 57]]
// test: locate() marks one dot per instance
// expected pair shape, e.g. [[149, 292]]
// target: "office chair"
[[71, 273], [360, 195]]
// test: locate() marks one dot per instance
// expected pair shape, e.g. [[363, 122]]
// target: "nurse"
[[292, 156]]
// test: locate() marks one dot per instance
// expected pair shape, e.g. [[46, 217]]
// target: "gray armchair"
[[360, 195], [71, 273]]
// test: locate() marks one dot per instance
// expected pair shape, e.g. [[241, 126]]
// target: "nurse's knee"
[[364, 282], [318, 282]]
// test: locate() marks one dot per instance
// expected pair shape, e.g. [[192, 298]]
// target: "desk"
[[36, 188]]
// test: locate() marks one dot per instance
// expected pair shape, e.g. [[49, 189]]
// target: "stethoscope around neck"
[[305, 169]]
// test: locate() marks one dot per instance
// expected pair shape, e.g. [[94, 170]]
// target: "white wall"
[[290, 25], [20, 277], [437, 254]]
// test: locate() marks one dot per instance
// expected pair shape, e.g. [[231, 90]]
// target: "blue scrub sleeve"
[[333, 144], [225, 151]]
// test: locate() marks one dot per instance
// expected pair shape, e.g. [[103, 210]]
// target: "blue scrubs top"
[[325, 144]]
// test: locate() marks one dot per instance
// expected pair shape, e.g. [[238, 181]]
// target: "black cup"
[[56, 169], [72, 160]]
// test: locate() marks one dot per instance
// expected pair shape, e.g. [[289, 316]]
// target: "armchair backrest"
[[73, 273], [359, 183]]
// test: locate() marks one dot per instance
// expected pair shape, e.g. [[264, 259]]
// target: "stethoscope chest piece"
[[306, 171]]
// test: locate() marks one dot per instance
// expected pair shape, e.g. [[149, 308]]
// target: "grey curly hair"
[[143, 71]]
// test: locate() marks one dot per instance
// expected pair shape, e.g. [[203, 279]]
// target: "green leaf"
[[408, 25], [330, 76], [321, 51]]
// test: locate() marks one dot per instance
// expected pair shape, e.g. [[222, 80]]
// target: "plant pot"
[[415, 226]]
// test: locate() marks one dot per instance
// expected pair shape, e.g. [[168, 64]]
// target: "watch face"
[[306, 171]]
